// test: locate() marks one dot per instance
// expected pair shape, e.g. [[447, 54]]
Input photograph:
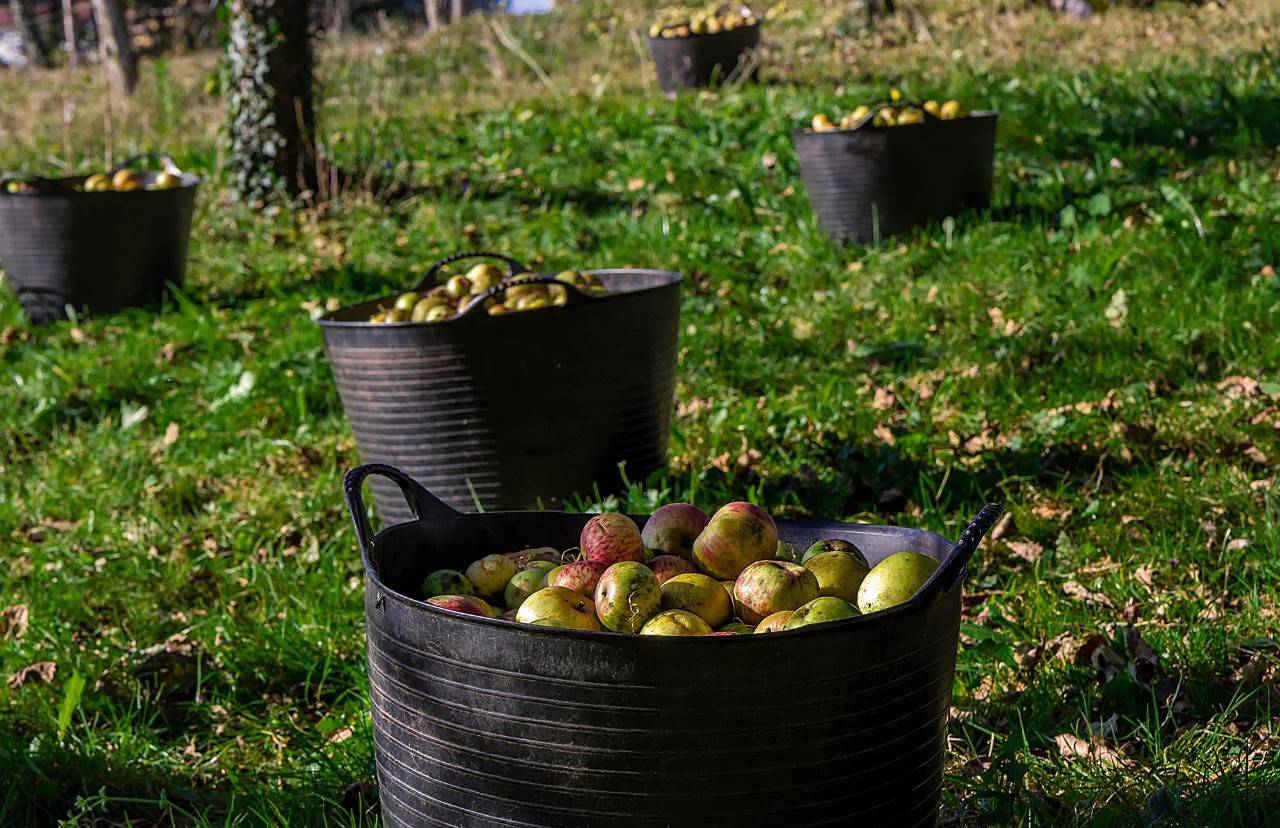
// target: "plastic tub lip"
[[914, 604], [331, 320], [188, 181], [980, 115]]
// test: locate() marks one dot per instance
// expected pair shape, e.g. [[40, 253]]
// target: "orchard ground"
[[1099, 353]]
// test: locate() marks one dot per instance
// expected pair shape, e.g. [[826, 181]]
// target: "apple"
[[834, 545], [469, 604], [579, 576], [556, 606], [774, 623], [672, 529], [610, 538], [738, 534], [699, 594], [767, 587], [523, 584], [839, 574], [537, 553], [627, 596], [894, 581], [737, 628], [820, 611], [675, 622], [669, 566], [446, 582], [490, 574]]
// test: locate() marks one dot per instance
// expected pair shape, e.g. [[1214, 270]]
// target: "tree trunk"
[[116, 45], [271, 119], [24, 14], [433, 13], [69, 41], [339, 16]]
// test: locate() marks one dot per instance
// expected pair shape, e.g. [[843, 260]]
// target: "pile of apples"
[[460, 290], [682, 21], [895, 114], [121, 181], [685, 574]]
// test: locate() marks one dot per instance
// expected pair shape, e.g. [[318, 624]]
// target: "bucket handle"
[[424, 504], [574, 296], [165, 160], [429, 279], [949, 574]]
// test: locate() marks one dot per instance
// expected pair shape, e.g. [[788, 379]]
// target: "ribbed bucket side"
[[879, 182], [100, 251]]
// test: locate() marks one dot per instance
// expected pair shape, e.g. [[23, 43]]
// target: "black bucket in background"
[[699, 60], [480, 721], [518, 411], [99, 251], [870, 182]]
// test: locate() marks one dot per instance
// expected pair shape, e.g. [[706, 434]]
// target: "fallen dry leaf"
[[1237, 387], [170, 434], [883, 434], [341, 735], [1082, 593], [1145, 574], [883, 399], [1073, 747], [13, 621], [1254, 455], [1004, 528], [1237, 543], [1048, 512], [41, 671], [1029, 551]]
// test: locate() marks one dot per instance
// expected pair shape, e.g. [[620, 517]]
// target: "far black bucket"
[[870, 182], [705, 59], [96, 251], [519, 411], [484, 722]]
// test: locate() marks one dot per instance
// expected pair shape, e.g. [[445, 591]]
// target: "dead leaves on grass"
[[41, 671], [13, 622]]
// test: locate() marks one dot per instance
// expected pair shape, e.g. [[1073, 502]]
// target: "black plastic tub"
[[518, 411], [480, 721], [98, 251], [869, 182], [705, 59]]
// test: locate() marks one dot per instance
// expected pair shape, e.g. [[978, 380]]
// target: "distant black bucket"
[[100, 251], [701, 60], [480, 721], [518, 411], [871, 182]]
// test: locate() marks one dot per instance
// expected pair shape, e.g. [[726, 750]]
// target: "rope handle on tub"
[[424, 504], [428, 280]]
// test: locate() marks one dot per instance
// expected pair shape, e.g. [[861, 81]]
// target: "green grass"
[[1143, 178]]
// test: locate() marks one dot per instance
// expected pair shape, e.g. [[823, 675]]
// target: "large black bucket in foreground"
[[95, 251], [518, 411], [483, 722], [869, 182]]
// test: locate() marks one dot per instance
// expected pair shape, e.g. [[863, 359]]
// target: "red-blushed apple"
[[469, 604], [771, 586], [579, 576], [627, 596], [699, 594], [490, 574], [610, 538], [673, 528], [774, 623], [669, 566], [675, 622], [739, 534], [559, 607]]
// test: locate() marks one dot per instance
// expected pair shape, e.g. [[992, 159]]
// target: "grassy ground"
[[1101, 356]]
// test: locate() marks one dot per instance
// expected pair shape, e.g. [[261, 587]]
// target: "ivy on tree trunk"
[[271, 119]]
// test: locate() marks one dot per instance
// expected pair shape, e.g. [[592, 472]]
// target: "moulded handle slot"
[[424, 504]]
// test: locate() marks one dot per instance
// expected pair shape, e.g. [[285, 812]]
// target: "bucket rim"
[[188, 181], [672, 279], [952, 565], [806, 134]]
